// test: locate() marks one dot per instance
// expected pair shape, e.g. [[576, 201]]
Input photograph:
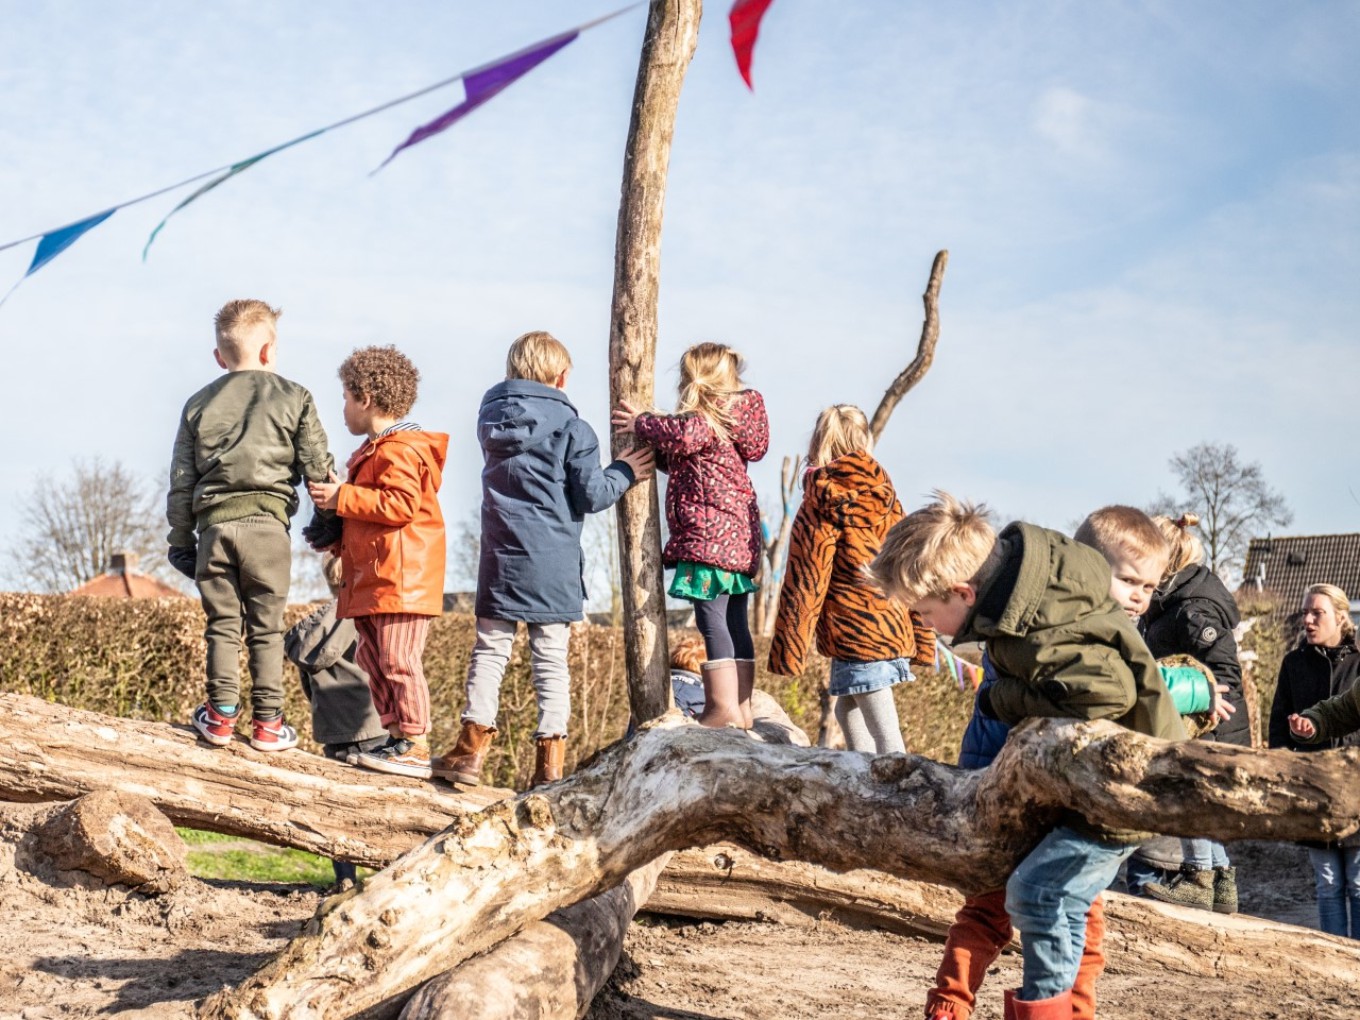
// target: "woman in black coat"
[[1326, 663], [1194, 614]]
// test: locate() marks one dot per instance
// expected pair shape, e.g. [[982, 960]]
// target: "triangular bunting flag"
[[745, 20], [485, 84]]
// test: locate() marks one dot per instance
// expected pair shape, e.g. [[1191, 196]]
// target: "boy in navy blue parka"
[[540, 478]]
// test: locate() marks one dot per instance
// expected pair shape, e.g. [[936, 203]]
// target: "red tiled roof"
[[1288, 566], [124, 585]]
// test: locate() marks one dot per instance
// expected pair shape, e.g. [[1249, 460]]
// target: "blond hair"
[[710, 376], [243, 327], [840, 429], [538, 356], [1183, 548], [1341, 605], [1123, 531], [932, 549]]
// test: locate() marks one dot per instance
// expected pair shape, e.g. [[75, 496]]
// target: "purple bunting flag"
[[484, 85]]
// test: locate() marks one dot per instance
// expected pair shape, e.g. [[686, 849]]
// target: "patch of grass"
[[243, 860]]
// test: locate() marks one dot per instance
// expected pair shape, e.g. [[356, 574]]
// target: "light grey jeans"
[[548, 661]]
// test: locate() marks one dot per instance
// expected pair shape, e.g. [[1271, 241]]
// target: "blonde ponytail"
[[710, 376], [1186, 549]]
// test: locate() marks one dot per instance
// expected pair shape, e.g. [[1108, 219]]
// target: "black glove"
[[324, 530], [184, 559]]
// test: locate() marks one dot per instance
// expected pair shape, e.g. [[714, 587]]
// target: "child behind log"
[[1060, 646], [344, 722]]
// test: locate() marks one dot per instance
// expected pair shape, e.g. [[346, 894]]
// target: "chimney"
[[123, 562]]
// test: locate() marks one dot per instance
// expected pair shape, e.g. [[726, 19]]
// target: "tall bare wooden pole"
[[672, 33]]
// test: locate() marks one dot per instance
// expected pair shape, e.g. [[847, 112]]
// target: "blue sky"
[[1152, 210]]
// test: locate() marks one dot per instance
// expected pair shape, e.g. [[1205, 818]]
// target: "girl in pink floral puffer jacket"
[[711, 513]]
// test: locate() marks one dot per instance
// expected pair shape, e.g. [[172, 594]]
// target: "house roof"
[[1289, 566], [124, 581]]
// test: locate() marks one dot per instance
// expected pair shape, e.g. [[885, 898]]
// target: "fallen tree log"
[[677, 785], [728, 883], [550, 971], [295, 799]]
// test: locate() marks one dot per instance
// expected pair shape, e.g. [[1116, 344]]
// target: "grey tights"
[[869, 722]]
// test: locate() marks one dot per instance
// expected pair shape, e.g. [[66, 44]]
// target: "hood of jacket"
[[520, 414], [1045, 581], [431, 447], [1194, 582], [853, 491]]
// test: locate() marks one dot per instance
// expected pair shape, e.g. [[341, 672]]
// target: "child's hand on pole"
[[1302, 727], [641, 460], [1220, 710], [325, 494], [623, 417]]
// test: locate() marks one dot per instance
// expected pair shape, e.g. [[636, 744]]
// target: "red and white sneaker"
[[272, 735], [214, 727]]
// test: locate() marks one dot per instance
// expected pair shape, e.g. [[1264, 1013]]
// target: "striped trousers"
[[390, 650]]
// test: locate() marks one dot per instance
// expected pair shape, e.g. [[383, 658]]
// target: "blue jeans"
[[1048, 897], [1337, 871], [1204, 854]]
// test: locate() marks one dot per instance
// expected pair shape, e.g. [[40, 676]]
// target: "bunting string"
[[481, 84], [965, 674]]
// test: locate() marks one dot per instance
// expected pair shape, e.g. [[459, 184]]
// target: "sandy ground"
[[68, 950]]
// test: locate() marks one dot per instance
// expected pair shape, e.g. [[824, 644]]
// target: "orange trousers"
[[981, 929]]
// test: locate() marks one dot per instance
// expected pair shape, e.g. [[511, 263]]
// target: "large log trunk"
[[726, 882], [677, 785], [672, 34], [49, 752], [549, 971]]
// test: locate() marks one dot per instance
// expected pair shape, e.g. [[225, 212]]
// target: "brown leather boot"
[[462, 763], [550, 753], [746, 685], [722, 698]]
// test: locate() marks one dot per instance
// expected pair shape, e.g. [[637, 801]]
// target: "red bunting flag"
[[745, 19]]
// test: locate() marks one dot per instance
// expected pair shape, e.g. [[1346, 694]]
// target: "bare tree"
[[70, 528], [600, 563], [464, 545], [1232, 499]]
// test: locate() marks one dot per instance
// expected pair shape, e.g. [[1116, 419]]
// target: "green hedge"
[[143, 658]]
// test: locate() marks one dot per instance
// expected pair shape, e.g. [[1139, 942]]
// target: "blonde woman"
[[717, 429], [1317, 706]]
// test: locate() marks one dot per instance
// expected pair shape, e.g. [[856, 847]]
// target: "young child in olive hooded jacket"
[[1061, 647]]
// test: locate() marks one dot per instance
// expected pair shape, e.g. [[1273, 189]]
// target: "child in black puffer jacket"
[[1193, 613]]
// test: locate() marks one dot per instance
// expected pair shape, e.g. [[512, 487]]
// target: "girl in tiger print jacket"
[[848, 506]]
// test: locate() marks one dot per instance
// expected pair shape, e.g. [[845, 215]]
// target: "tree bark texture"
[[925, 350], [672, 33], [551, 970], [726, 882], [677, 785], [290, 798]]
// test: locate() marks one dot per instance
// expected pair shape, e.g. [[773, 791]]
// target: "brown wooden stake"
[[925, 350], [672, 33]]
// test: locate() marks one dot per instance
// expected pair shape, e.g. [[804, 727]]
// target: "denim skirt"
[[863, 677]]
